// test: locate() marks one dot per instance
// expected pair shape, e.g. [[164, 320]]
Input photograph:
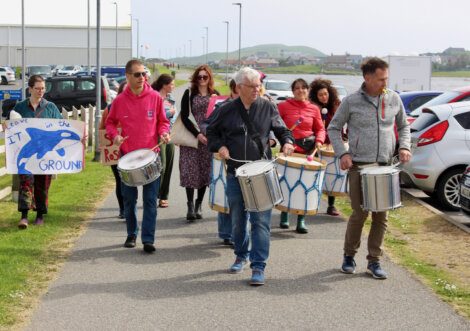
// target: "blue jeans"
[[224, 223], [260, 227], [149, 221]]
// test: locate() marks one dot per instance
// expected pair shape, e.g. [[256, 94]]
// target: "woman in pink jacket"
[[139, 110], [304, 120]]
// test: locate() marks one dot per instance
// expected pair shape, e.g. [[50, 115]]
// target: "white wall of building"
[[63, 45]]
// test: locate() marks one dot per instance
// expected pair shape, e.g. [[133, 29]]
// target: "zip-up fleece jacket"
[[370, 127], [142, 118], [228, 129], [45, 109], [291, 110]]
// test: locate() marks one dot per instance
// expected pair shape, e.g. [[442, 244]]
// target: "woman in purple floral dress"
[[195, 163]]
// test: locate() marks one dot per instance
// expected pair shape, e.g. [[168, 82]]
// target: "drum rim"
[[291, 164], [140, 149], [365, 171]]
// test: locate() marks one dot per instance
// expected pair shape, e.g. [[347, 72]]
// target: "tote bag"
[[182, 136]]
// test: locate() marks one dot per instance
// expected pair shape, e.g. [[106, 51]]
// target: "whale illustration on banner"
[[43, 142]]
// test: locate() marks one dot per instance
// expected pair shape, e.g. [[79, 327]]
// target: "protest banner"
[[109, 152], [44, 146]]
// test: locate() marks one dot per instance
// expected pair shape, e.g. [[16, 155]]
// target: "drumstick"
[[159, 144], [310, 156], [300, 120]]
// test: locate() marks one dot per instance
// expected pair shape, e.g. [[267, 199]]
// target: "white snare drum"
[[218, 186], [301, 183], [259, 184], [139, 167], [380, 188], [336, 180]]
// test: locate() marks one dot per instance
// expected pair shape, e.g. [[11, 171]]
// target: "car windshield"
[[278, 86], [69, 68], [439, 100], [37, 70]]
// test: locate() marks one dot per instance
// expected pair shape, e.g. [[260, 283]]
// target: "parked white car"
[[7, 75], [342, 92], [279, 90], [69, 70], [440, 139]]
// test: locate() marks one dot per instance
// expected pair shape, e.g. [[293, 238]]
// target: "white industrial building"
[[63, 45]]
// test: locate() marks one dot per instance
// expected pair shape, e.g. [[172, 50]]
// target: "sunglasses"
[[202, 77], [138, 74]]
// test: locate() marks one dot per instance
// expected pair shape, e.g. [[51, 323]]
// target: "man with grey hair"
[[237, 143]]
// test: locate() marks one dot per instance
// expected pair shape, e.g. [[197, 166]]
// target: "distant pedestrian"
[[370, 114], [34, 189]]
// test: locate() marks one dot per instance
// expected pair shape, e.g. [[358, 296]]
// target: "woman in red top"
[[323, 94], [304, 120]]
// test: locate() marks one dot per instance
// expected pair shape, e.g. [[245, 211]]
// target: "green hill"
[[275, 51]]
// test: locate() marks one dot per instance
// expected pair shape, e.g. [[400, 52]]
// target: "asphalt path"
[[185, 284]]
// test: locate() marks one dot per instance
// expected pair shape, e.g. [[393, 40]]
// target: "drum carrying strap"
[[251, 130]]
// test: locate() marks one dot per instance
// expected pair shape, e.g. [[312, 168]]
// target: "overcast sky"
[[367, 27]]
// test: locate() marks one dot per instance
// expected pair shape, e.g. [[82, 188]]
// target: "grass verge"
[[457, 74], [31, 258], [431, 248]]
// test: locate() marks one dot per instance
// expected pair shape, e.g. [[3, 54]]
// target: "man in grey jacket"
[[371, 114]]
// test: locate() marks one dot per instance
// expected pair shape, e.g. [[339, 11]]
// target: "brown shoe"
[[332, 211], [23, 223]]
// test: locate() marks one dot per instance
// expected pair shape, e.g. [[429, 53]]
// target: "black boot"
[[191, 215], [198, 209]]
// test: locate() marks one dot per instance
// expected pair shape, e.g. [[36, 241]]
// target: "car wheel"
[[4, 80], [448, 186]]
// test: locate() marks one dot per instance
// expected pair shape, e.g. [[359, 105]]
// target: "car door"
[[85, 93], [464, 120], [62, 93]]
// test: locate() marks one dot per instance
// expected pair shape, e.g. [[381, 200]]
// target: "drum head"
[[254, 168], [379, 170], [300, 160], [136, 159]]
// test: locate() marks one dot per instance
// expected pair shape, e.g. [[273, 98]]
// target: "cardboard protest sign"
[[109, 152], [43, 146]]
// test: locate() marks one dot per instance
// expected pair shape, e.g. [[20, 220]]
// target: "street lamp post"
[[203, 44], [88, 40], [116, 45], [137, 44], [190, 50], [207, 43], [23, 64], [239, 34], [226, 56], [98, 81]]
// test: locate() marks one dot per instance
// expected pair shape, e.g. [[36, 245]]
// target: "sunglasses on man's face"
[[138, 74], [202, 77]]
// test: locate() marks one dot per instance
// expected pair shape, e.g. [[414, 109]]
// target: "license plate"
[[465, 191]]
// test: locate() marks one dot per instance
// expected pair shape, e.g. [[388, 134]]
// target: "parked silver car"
[[465, 191], [440, 139], [278, 90]]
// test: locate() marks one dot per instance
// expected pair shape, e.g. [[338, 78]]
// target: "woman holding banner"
[[34, 189]]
